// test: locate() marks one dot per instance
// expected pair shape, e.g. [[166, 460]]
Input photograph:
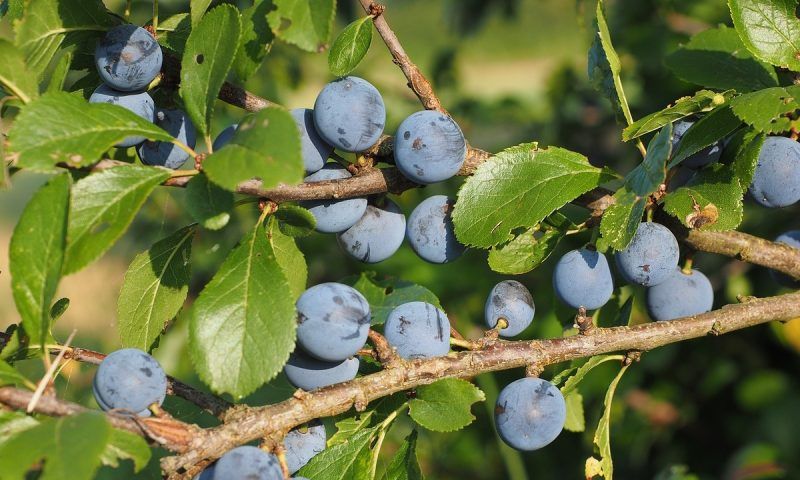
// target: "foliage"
[[232, 307]]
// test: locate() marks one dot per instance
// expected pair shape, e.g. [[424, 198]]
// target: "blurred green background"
[[509, 71]]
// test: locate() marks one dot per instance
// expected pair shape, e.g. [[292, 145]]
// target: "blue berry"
[[791, 238], [429, 147], [308, 373], [333, 321], [349, 114], [166, 154], [430, 230], [249, 463], [334, 216], [706, 156], [139, 103], [128, 58], [418, 330], [530, 413], [303, 444], [376, 235], [513, 302], [314, 149], [224, 137], [582, 278], [129, 379], [776, 182], [651, 257], [681, 295]]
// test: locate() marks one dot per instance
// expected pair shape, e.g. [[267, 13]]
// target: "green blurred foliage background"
[[509, 71]]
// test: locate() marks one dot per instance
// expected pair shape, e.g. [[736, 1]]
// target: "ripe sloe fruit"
[[308, 373], [166, 154], [303, 444], [349, 114], [429, 147], [248, 462], [333, 321], [681, 295], [651, 257], [224, 137], [510, 300], [376, 235], [128, 58], [704, 157], [776, 182], [791, 238], [430, 230], [315, 150], [418, 330], [530, 413], [129, 379], [582, 278], [140, 103], [334, 216]]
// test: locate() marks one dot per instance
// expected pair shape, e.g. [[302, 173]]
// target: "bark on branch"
[[249, 424]]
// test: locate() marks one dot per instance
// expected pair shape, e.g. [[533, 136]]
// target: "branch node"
[[584, 323], [631, 357], [716, 328], [385, 352], [376, 9], [534, 370]]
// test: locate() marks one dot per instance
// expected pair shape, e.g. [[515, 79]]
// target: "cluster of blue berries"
[[128, 59], [349, 115]]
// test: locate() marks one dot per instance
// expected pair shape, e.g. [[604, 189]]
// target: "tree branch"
[[208, 402], [250, 424]]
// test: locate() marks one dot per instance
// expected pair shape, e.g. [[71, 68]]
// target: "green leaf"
[[290, 259], [47, 24], [572, 382], [386, 294], [605, 67], [101, 208], [155, 287], [198, 9], [746, 149], [717, 58], [770, 29], [265, 146], [208, 204], [771, 110], [519, 187], [12, 9], [174, 31], [124, 445], [60, 72], [59, 127], [702, 101], [245, 316], [525, 252], [10, 376], [71, 447], [15, 77], [305, 23], [349, 460], [575, 421], [207, 58], [36, 255], [621, 220], [444, 406], [295, 220], [256, 39], [602, 440], [58, 309], [11, 423], [712, 200], [713, 127], [404, 464], [350, 47], [349, 424]]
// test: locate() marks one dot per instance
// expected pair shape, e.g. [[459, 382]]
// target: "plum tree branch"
[[208, 402], [251, 423]]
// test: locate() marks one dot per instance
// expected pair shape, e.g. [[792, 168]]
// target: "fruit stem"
[[183, 173], [468, 344], [687, 265], [184, 147], [128, 10], [155, 17]]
